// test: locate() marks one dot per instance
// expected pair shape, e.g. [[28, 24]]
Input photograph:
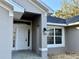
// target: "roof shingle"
[[51, 19]]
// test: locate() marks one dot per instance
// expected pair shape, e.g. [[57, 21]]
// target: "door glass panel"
[[14, 38], [28, 37]]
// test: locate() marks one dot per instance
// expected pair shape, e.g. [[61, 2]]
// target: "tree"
[[68, 9]]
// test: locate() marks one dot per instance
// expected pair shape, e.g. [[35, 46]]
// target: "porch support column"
[[43, 49]]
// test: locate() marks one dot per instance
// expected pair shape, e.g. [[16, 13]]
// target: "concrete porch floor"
[[24, 55]]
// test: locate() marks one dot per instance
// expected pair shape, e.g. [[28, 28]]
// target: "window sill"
[[55, 45]]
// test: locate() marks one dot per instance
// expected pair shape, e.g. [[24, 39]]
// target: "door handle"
[[26, 40]]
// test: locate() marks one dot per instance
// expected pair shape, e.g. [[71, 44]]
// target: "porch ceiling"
[[30, 15]]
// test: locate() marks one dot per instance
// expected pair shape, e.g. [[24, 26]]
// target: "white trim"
[[56, 24], [43, 49], [70, 24], [77, 28], [47, 7], [7, 8], [17, 7], [76, 23], [55, 45], [63, 37], [10, 13], [23, 20]]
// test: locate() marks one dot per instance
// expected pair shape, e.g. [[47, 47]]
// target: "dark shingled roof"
[[52, 19], [73, 19]]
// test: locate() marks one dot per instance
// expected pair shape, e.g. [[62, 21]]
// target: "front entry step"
[[24, 55]]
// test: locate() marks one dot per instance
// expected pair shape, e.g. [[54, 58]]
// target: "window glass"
[[58, 40], [58, 31], [14, 38], [28, 37], [51, 32], [50, 40]]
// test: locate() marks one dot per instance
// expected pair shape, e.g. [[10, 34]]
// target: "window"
[[55, 36]]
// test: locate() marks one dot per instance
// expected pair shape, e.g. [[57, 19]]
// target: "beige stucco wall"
[[43, 35], [56, 50], [72, 39], [6, 28], [39, 40], [36, 28]]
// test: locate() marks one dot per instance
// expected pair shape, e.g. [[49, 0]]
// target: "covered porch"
[[31, 38], [31, 20]]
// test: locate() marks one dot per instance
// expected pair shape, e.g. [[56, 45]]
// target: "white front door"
[[22, 37]]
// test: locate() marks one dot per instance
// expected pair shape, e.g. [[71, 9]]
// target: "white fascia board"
[[7, 6], [17, 8], [56, 24], [71, 24], [47, 7]]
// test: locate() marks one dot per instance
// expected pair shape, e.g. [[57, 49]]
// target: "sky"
[[54, 4]]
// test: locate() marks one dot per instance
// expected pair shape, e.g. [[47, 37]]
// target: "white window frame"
[[63, 37]]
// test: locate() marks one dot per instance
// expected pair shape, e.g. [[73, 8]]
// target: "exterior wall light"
[[44, 31]]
